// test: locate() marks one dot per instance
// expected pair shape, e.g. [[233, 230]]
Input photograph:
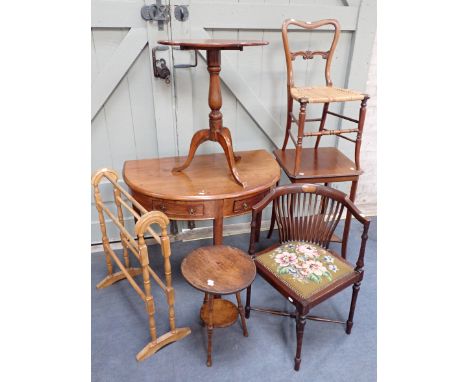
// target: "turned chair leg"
[[300, 135], [322, 123], [347, 226], [288, 122], [300, 323], [259, 226], [349, 323], [273, 217], [272, 222], [247, 302]]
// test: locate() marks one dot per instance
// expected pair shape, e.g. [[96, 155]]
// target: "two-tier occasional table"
[[205, 190], [219, 270], [217, 132]]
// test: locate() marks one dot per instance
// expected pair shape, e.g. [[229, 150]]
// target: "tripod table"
[[217, 132]]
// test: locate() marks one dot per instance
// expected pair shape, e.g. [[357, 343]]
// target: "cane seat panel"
[[325, 94]]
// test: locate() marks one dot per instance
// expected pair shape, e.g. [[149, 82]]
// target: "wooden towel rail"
[[137, 247]]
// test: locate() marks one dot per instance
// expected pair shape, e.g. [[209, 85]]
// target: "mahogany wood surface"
[[203, 191], [224, 313], [218, 269], [216, 132], [317, 165], [207, 179], [221, 44], [309, 213]]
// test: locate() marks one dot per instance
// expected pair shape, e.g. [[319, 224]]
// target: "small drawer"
[[246, 204], [178, 208]]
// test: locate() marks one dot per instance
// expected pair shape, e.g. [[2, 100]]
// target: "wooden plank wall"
[[126, 127], [263, 68]]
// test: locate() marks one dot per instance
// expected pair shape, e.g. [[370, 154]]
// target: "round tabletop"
[[207, 178], [218, 269], [212, 43]]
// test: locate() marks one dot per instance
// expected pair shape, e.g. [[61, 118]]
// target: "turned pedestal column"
[[216, 132]]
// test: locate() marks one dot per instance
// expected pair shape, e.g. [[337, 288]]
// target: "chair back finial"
[[307, 54]]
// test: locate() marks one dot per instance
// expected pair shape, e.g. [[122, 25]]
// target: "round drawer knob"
[[245, 206], [191, 211], [163, 207]]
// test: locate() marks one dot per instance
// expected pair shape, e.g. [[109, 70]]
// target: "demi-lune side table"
[[217, 132], [219, 270], [204, 191]]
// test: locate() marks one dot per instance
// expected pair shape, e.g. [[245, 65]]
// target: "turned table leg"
[[242, 314], [210, 328], [216, 132]]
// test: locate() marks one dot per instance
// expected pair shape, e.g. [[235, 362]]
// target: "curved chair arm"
[[315, 189]]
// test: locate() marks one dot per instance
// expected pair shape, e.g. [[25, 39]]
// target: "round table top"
[[213, 43], [207, 178], [218, 269]]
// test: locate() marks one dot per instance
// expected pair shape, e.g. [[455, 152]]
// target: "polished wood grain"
[[319, 165], [216, 132], [207, 179], [221, 44], [308, 213], [143, 221], [224, 313], [323, 164], [219, 270], [205, 190]]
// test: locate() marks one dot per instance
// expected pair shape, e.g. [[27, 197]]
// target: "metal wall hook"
[[160, 69]]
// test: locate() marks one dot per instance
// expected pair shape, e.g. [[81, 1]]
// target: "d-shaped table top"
[[208, 178]]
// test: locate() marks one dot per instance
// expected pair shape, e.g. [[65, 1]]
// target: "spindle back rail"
[[137, 247], [307, 212]]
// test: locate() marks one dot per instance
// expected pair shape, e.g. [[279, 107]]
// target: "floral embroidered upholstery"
[[306, 268]]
